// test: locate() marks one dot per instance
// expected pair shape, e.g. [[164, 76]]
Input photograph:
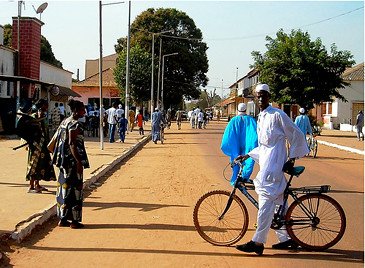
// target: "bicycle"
[[314, 220], [313, 145]]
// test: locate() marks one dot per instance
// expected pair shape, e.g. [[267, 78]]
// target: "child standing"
[[123, 124]]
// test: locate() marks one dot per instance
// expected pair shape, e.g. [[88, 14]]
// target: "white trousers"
[[267, 205]]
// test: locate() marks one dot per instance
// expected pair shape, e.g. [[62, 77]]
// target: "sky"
[[231, 29]]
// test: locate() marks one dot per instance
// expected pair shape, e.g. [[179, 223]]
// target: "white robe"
[[273, 128]]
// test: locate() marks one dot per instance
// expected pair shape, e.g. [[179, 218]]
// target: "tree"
[[140, 73], [184, 73], [47, 53], [46, 48], [301, 71]]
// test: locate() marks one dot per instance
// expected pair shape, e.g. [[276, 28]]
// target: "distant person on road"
[[360, 125], [274, 127], [71, 159], [119, 112], [123, 126], [112, 121], [218, 115], [302, 121], [178, 117], [157, 121], [239, 138], [131, 118], [140, 121]]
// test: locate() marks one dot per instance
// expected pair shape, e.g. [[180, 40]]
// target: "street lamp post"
[[153, 67], [128, 61], [101, 70], [163, 70]]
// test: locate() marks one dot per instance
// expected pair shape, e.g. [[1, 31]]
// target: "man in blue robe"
[[239, 138], [157, 120]]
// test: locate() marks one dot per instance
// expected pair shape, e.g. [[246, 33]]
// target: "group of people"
[[116, 120], [198, 118], [68, 155], [264, 142]]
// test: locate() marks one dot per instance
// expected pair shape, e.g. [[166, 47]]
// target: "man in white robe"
[[274, 127]]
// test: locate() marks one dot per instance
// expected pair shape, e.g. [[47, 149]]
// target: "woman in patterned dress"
[[71, 158], [39, 161]]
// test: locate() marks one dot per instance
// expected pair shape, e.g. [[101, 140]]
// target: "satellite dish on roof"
[[40, 9]]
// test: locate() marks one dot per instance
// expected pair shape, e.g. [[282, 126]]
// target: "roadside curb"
[[345, 148], [24, 228]]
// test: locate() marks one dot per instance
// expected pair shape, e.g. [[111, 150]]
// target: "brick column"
[[30, 45]]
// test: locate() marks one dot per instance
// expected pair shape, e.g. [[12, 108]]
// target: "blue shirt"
[[239, 138], [302, 121]]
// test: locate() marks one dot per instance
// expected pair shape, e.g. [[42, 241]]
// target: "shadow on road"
[[141, 206]]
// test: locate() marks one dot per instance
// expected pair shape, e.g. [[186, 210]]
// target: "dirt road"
[[141, 216]]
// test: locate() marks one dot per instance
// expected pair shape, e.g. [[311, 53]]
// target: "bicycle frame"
[[279, 216]]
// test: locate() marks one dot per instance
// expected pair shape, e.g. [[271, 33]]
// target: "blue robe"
[[239, 138]]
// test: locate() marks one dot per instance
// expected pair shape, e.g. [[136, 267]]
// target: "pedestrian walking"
[[140, 121], [178, 116], [70, 157], [123, 125], [239, 138], [302, 121], [112, 121], [157, 121], [274, 127], [360, 125]]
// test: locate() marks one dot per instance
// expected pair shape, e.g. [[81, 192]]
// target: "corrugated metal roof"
[[355, 73]]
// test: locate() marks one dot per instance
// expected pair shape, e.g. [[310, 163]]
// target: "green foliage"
[[7, 35], [47, 53], [185, 72], [140, 73], [301, 71], [46, 48]]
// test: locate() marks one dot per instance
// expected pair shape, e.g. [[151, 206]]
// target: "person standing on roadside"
[[39, 161], [131, 119], [70, 157], [112, 121], [360, 125], [274, 127], [239, 138]]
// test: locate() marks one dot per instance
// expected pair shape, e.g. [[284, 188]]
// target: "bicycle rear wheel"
[[323, 228], [227, 230]]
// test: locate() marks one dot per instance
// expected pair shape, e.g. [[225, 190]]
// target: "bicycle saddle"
[[295, 171]]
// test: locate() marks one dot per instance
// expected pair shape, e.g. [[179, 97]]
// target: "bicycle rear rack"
[[312, 189]]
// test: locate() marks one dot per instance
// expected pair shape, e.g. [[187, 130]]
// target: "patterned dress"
[[39, 160], [69, 194]]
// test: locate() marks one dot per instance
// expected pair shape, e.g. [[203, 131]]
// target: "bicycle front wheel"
[[217, 230], [315, 221]]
